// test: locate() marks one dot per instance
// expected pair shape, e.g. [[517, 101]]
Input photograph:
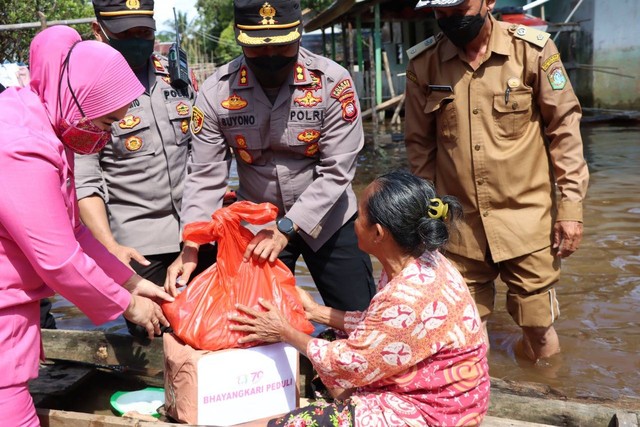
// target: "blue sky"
[[163, 11]]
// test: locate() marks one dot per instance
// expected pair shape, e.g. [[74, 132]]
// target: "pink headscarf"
[[101, 79]]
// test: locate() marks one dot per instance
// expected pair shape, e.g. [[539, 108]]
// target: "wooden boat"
[[76, 356]]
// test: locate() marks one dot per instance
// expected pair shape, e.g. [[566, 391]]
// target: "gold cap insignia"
[[267, 12], [133, 4]]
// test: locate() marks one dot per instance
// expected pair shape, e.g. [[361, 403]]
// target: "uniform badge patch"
[[241, 141], [158, 65], [133, 143], [182, 109], [167, 80], [184, 126], [341, 88], [244, 76], [550, 61], [245, 156], [194, 80], [557, 78], [412, 76], [197, 120], [316, 81], [311, 150], [129, 122], [513, 82], [299, 75], [234, 102], [349, 108], [309, 135], [308, 100]]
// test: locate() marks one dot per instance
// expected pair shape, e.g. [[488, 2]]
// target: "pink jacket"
[[43, 246]]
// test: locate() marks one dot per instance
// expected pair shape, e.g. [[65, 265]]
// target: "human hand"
[[567, 236], [266, 245], [308, 303], [125, 254], [146, 313], [180, 270], [143, 287], [265, 326]]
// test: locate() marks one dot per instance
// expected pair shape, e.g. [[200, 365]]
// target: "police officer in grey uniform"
[[292, 120], [130, 193]]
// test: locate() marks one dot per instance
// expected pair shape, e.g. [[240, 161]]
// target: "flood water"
[[599, 290]]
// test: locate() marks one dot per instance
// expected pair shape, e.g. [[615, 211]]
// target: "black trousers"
[[341, 271], [156, 272]]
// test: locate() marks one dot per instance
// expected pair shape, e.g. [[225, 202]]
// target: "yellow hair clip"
[[437, 209]]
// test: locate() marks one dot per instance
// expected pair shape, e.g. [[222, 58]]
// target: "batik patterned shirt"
[[417, 356]]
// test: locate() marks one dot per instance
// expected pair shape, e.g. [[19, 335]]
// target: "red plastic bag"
[[198, 315]]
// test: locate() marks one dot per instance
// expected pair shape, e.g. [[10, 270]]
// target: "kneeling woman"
[[417, 355]]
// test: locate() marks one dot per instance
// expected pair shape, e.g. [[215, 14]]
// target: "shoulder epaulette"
[[531, 35], [416, 50], [159, 64]]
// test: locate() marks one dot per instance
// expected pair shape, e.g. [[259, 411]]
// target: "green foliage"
[[227, 46], [14, 44]]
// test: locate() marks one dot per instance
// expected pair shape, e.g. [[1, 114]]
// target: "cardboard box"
[[230, 386]]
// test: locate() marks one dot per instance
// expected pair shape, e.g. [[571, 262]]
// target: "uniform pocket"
[[132, 136], [179, 115], [513, 116], [248, 145], [442, 105], [303, 139]]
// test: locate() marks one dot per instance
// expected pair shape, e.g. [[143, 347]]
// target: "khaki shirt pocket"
[[179, 112], [248, 145], [512, 115], [442, 105], [132, 136]]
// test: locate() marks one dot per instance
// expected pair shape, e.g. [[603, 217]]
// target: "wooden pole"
[[387, 71], [378, 48], [372, 86], [395, 120], [359, 51], [350, 47]]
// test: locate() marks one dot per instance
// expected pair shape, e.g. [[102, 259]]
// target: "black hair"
[[400, 201]]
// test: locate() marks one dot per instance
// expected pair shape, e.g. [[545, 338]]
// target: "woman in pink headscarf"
[[77, 90]]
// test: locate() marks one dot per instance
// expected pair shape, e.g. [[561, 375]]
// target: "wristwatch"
[[285, 226]]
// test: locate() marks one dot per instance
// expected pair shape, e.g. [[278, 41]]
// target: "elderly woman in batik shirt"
[[417, 355]]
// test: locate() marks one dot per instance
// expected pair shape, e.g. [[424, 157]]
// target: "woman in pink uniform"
[[416, 356], [77, 90]]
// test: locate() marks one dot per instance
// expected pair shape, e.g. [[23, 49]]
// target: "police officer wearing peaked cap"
[[292, 120], [130, 193]]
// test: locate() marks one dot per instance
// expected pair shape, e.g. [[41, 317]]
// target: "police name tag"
[[441, 88]]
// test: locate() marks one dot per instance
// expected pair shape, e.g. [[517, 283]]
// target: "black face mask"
[[461, 30], [271, 71]]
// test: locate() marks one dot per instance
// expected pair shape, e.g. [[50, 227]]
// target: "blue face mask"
[[135, 51]]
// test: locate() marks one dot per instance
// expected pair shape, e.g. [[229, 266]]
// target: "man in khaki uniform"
[[130, 193], [292, 119], [491, 118]]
